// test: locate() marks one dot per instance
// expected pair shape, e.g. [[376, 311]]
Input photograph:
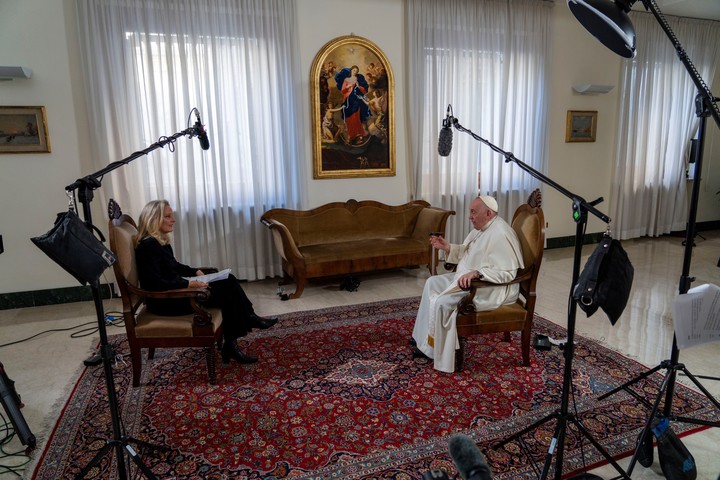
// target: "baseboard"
[[699, 227], [562, 242], [52, 296]]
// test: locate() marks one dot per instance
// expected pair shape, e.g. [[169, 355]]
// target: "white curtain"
[[147, 64], [657, 121], [489, 59]]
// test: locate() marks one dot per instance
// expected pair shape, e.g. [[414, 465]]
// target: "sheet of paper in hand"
[[211, 277]]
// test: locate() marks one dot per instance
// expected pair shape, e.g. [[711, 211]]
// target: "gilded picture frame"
[[581, 126], [353, 110], [23, 130]]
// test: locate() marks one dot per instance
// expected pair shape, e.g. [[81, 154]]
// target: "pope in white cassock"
[[492, 252]]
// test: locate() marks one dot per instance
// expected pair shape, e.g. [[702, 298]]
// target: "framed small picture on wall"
[[581, 126], [23, 130], [352, 114]]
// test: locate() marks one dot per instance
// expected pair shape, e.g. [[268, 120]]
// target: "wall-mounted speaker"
[[591, 88], [11, 73]]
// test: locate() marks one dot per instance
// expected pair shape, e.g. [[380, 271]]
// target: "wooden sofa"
[[342, 238]]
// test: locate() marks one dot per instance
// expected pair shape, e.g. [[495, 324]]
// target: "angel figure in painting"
[[330, 129]]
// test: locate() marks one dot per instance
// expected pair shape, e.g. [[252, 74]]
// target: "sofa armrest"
[[429, 220], [284, 242]]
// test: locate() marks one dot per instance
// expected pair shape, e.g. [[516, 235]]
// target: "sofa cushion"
[[338, 225], [358, 249]]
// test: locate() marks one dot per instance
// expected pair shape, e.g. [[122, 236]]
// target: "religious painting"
[[23, 130], [581, 126], [353, 119]]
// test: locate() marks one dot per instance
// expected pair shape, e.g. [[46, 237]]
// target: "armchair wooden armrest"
[[466, 305], [195, 295]]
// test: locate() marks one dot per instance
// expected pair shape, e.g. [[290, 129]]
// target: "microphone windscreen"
[[204, 141], [445, 141], [468, 458]]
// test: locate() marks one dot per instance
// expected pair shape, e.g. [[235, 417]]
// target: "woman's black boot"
[[231, 350]]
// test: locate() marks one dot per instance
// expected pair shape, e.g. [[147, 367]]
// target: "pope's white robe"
[[494, 252]]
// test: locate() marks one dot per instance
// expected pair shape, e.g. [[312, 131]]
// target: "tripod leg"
[[648, 423], [148, 446], [709, 396], [633, 381], [136, 458], [96, 459], [600, 448], [558, 442], [700, 386], [522, 432]]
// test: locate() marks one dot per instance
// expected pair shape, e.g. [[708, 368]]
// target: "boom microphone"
[[468, 459], [201, 133], [446, 134]]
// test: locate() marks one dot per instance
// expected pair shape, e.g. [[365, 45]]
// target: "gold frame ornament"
[[581, 126], [352, 91], [23, 130]]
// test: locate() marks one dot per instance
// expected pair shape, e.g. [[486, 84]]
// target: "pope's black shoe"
[[262, 322], [417, 353], [230, 350]]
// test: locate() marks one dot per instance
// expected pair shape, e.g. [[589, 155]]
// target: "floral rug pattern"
[[337, 394]]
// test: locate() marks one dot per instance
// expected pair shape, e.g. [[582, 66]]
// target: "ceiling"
[[708, 9]]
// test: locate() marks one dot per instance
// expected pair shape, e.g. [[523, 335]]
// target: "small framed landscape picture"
[[23, 130], [581, 126]]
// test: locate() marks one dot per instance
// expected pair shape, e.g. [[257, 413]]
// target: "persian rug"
[[337, 394]]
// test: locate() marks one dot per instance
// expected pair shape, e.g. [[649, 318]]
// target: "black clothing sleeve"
[[159, 270], [157, 267]]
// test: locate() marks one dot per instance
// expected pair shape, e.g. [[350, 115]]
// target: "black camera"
[[435, 474]]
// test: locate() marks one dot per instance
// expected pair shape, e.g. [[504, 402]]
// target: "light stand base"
[[120, 443], [672, 369], [562, 422], [122, 446]]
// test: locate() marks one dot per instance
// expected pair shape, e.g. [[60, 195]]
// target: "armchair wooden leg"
[[525, 344], [136, 359], [210, 358]]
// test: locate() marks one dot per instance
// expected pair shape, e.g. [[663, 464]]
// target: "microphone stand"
[[120, 442], [704, 106], [580, 209]]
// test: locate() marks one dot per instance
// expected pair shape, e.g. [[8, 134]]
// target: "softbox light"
[[607, 20]]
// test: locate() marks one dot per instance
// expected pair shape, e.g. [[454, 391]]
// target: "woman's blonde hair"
[[151, 218]]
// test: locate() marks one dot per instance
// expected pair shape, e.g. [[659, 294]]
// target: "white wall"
[[323, 20], [583, 168], [42, 35], [39, 35]]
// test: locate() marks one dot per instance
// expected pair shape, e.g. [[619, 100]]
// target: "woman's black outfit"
[[159, 270]]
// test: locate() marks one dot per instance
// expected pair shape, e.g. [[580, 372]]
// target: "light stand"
[[580, 209], [609, 23], [120, 442]]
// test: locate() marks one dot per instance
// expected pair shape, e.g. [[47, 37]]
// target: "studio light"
[[607, 20]]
